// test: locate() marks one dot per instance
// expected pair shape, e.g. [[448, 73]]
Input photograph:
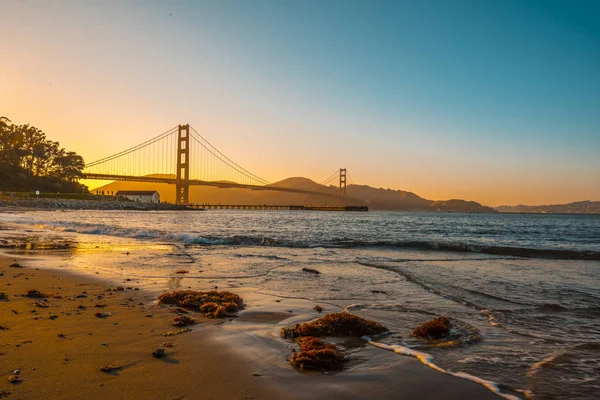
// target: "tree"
[[33, 146], [29, 160], [70, 166]]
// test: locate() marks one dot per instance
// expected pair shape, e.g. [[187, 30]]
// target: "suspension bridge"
[[183, 157]]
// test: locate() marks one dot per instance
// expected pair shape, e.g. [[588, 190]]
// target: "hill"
[[578, 207], [376, 199]]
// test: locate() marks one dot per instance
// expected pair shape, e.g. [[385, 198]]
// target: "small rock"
[[110, 368], [311, 271], [35, 294], [158, 353]]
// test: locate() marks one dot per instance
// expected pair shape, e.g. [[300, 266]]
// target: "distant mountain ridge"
[[376, 199], [577, 207]]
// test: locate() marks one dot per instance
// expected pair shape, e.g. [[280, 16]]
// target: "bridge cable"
[[134, 148], [333, 176], [239, 169], [212, 169]]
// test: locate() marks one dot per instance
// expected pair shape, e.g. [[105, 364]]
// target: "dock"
[[276, 207]]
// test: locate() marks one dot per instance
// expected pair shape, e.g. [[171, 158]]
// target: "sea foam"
[[427, 359]]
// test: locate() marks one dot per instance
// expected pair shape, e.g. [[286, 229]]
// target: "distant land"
[[578, 207], [376, 199]]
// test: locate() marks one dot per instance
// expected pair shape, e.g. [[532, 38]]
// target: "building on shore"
[[140, 196]]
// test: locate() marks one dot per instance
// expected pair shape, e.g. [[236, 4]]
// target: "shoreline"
[[45, 204], [235, 358]]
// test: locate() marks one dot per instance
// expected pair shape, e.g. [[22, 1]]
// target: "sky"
[[492, 101]]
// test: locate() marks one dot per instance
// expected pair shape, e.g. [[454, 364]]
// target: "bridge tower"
[[343, 184], [182, 185]]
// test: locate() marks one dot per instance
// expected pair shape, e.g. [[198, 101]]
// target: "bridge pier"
[[182, 185]]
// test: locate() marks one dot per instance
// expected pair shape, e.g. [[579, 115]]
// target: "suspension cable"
[[134, 148], [330, 178], [229, 162]]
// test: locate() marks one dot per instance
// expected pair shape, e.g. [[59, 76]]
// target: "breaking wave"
[[427, 359], [196, 238]]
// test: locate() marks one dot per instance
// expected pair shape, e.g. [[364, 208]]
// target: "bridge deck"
[[223, 185]]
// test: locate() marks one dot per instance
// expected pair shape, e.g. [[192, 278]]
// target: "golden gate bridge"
[[183, 157]]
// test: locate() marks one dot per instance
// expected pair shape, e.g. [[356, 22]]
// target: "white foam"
[[427, 359], [351, 306], [490, 317]]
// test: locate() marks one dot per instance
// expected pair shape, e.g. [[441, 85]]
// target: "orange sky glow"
[[100, 87]]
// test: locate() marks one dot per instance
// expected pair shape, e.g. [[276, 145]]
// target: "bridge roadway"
[[223, 185]]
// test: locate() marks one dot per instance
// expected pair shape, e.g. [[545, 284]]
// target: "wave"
[[427, 359], [427, 286], [194, 238], [576, 368]]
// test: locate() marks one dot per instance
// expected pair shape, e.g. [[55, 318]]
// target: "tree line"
[[30, 161]]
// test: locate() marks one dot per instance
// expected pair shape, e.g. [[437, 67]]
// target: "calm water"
[[529, 284]]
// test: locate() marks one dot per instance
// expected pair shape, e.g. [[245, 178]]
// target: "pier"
[[275, 207]]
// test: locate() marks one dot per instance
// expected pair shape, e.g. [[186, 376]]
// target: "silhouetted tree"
[[26, 156]]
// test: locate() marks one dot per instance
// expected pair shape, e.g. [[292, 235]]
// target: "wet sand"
[[60, 349]]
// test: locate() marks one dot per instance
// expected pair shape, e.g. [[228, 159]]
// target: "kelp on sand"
[[212, 303]]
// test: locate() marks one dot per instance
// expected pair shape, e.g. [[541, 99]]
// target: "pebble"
[[158, 353]]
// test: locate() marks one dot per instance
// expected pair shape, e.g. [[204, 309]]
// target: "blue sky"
[[495, 101]]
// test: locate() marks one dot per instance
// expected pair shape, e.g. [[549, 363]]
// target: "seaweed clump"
[[316, 354], [182, 320], [437, 328], [337, 324], [445, 332], [170, 333], [213, 304]]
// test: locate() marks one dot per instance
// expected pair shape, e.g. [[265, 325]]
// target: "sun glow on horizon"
[[459, 111]]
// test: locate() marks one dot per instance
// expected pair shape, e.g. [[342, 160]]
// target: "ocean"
[[523, 289]]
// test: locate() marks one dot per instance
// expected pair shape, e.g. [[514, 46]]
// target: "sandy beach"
[[59, 350]]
